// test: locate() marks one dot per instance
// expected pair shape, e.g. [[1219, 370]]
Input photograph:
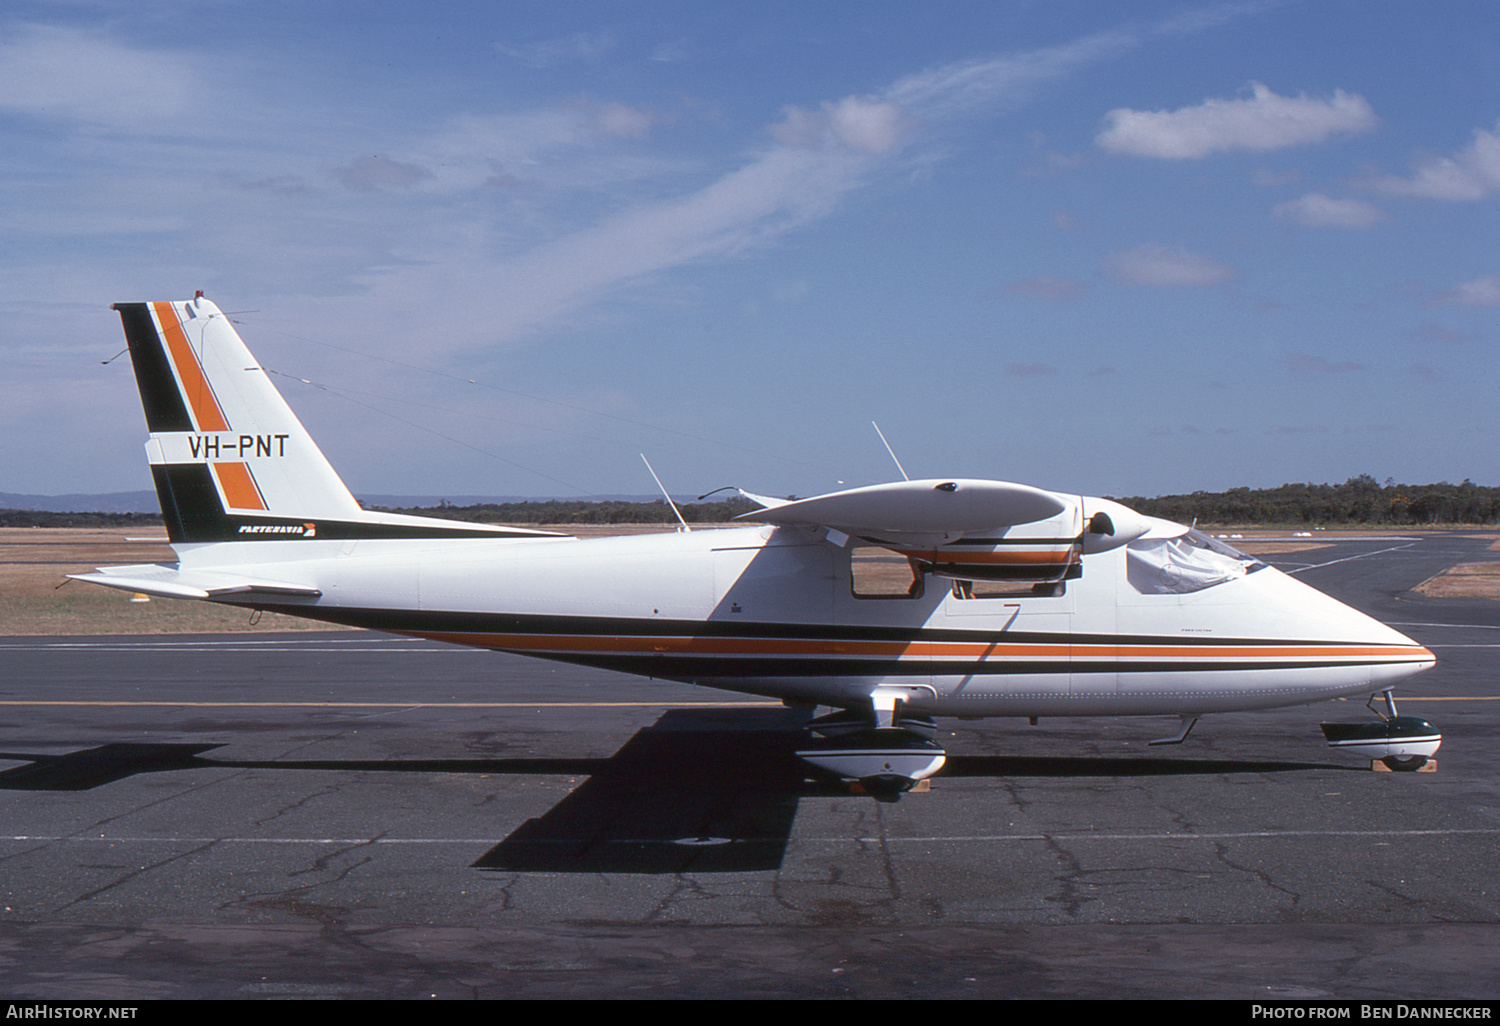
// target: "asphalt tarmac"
[[358, 815]]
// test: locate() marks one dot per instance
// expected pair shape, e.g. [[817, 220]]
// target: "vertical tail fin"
[[230, 459], [226, 451]]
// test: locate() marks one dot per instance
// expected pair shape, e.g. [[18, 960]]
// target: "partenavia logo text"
[[294, 530]]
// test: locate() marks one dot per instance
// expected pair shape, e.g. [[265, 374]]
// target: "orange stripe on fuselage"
[[200, 396], [238, 485], [1003, 557], [687, 645]]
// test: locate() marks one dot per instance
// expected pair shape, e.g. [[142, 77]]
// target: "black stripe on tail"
[[160, 397]]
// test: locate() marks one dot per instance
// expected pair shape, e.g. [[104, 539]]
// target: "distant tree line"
[[43, 518], [1359, 500], [582, 511]]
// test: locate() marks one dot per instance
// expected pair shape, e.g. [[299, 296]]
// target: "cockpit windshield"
[[1185, 563]]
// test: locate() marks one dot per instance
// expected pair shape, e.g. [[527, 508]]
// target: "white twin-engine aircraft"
[[890, 604]]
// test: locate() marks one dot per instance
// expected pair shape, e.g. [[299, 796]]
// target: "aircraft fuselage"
[[775, 611]]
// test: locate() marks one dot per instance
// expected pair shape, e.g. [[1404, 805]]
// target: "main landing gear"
[[1403, 744], [885, 753]]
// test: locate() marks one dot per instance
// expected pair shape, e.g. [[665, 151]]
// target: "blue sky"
[[503, 249]]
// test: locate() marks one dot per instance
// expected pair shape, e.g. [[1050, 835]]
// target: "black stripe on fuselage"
[[688, 668], [435, 622]]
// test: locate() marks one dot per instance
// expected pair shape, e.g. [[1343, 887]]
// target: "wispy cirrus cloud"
[[62, 73], [543, 53], [374, 173], [586, 209], [1470, 174], [817, 156], [1154, 265], [1482, 291], [1316, 210], [1263, 121], [872, 126]]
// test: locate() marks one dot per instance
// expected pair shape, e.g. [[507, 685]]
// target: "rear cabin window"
[[876, 572]]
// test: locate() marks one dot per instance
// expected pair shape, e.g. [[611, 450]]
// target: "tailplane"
[[230, 460]]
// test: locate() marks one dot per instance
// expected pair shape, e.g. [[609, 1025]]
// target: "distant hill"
[[1360, 500], [110, 502]]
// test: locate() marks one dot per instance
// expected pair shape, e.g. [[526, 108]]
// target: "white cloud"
[[1263, 122], [53, 72], [623, 121], [1316, 210], [1473, 173], [376, 173], [818, 156], [579, 46], [1000, 83], [1154, 265], [865, 126], [1483, 291], [563, 235]]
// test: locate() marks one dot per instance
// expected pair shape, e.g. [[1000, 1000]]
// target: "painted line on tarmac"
[[1250, 835], [1236, 836], [1346, 559], [1460, 626], [389, 705], [1449, 698]]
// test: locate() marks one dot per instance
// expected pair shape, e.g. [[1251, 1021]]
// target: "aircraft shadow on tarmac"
[[698, 791]]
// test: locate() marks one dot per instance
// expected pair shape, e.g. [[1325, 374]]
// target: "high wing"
[[965, 528], [941, 509]]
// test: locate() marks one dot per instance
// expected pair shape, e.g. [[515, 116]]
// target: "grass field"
[[36, 596]]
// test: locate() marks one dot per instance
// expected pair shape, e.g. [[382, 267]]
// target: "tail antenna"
[[685, 528]]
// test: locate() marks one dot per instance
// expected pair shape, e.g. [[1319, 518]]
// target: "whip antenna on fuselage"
[[664, 494], [888, 449]]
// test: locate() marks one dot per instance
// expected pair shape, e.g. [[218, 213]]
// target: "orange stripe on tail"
[[200, 397], [239, 487]]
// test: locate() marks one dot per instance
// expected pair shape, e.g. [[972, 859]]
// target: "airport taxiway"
[[361, 815]]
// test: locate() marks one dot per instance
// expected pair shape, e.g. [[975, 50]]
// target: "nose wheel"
[[1403, 744]]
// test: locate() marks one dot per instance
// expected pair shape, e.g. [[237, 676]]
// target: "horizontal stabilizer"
[[932, 507], [169, 582]]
